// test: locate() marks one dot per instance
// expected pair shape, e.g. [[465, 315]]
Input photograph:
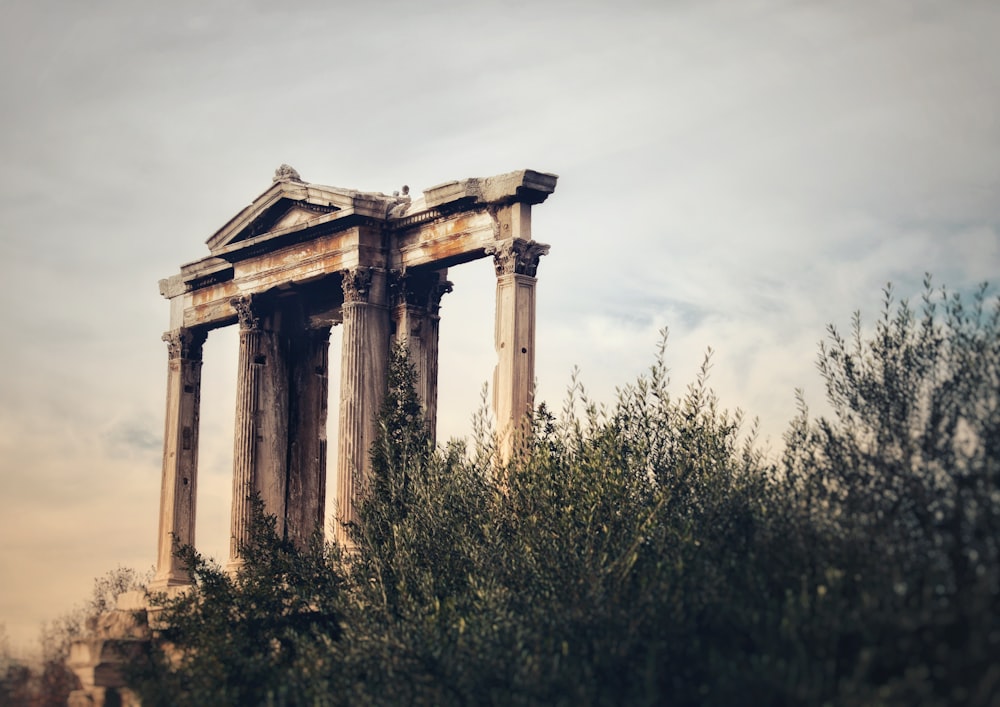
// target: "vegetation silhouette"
[[48, 681], [644, 552]]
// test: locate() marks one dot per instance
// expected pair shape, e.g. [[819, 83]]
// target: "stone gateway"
[[299, 260]]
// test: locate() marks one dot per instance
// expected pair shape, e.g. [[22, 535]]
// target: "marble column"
[[416, 307], [245, 437], [260, 450], [309, 383], [364, 367], [516, 262], [178, 490]]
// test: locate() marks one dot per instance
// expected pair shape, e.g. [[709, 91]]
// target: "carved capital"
[[424, 290], [319, 334], [185, 344], [516, 257], [248, 315], [439, 290], [357, 284], [399, 287]]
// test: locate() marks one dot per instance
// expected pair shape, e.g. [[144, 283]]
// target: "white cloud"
[[742, 174]]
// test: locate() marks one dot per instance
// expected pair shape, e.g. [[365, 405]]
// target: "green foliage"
[[260, 636], [899, 502], [50, 681], [16, 679], [17, 685], [645, 552], [580, 571]]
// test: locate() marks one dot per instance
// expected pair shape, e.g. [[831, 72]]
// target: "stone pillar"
[[178, 490], [309, 364], [417, 303], [363, 371], [245, 437], [260, 454], [516, 262]]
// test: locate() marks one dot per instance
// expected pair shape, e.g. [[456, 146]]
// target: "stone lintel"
[[525, 185], [451, 240], [205, 301], [241, 250], [195, 274], [325, 318], [337, 222], [453, 223]]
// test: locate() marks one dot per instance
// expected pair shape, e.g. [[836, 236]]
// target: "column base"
[[163, 584], [233, 567]]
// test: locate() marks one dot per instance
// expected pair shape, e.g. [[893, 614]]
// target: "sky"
[[743, 173]]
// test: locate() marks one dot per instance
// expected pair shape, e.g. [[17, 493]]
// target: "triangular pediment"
[[285, 205]]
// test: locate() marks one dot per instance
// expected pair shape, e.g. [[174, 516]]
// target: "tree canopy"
[[644, 552]]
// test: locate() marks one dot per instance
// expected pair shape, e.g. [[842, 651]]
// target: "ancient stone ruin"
[[299, 260]]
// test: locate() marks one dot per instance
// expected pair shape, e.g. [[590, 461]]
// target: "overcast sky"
[[741, 172]]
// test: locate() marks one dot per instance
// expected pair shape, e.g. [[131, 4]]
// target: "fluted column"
[[364, 367], [178, 490], [260, 449], [516, 262], [309, 364], [416, 307]]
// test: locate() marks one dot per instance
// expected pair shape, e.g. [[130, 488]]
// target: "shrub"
[[646, 552]]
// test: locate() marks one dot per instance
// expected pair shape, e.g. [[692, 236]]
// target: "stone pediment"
[[296, 233], [292, 204]]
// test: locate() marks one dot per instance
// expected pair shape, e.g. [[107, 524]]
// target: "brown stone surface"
[[298, 260], [178, 491], [304, 257]]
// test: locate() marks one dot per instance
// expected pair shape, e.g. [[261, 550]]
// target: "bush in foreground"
[[646, 553]]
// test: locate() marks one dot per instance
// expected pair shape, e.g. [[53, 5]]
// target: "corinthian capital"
[[516, 257], [357, 284], [185, 344], [439, 290], [423, 290], [249, 317]]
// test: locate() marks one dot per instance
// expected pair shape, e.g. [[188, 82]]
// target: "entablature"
[[296, 233]]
